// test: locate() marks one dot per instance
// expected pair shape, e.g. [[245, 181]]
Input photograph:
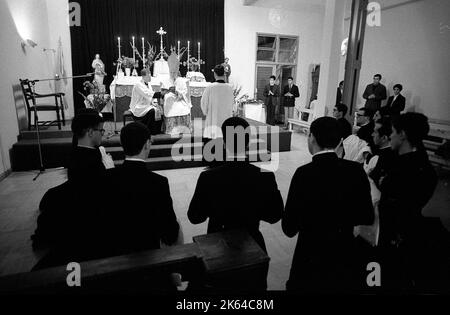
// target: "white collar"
[[385, 147], [134, 159], [324, 151]]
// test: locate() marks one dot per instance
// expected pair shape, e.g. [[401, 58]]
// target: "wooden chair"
[[127, 115], [30, 102]]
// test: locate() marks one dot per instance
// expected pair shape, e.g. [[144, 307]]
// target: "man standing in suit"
[[374, 94], [340, 92], [396, 103], [290, 93], [326, 199], [271, 93], [254, 196], [142, 215]]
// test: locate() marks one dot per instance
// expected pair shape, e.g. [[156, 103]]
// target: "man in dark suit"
[[271, 93], [396, 103], [339, 112], [374, 94], [142, 215], [236, 194], [326, 199], [340, 92], [68, 224], [386, 156], [290, 93], [86, 163], [364, 119]]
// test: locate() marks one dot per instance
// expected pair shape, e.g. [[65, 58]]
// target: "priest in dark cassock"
[[290, 93], [271, 93]]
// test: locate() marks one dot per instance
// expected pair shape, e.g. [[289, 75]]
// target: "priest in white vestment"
[[142, 95], [217, 104]]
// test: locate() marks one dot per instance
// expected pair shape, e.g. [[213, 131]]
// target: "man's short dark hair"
[[291, 78], [398, 86], [236, 122], [219, 70], [272, 77], [386, 126], [133, 136], [414, 125], [326, 131], [378, 75], [367, 112], [342, 108], [144, 72], [340, 83], [85, 119]]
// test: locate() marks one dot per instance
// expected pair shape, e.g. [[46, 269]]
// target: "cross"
[[161, 32]]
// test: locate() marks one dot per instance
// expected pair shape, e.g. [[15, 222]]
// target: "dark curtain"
[[102, 21]]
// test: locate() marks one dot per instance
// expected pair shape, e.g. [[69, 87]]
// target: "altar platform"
[[57, 145]]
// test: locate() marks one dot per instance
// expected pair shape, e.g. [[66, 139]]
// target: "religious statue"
[[99, 69], [227, 69]]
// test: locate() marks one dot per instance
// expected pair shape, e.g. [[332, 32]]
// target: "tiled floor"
[[20, 196]]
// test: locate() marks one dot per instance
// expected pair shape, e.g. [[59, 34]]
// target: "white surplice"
[[141, 99], [217, 105]]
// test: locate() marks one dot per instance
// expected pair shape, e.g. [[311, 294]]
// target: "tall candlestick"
[[134, 56], [178, 51], [143, 53], [118, 40], [198, 56]]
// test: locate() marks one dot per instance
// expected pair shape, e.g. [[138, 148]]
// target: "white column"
[[333, 30]]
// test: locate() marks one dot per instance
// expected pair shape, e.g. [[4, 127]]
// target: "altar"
[[121, 89]]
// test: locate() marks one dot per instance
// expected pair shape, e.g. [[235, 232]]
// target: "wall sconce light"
[[28, 42]]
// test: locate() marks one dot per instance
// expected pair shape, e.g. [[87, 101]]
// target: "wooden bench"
[[232, 255]]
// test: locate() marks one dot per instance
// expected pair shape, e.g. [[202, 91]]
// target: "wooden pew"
[[233, 260], [223, 260], [138, 272]]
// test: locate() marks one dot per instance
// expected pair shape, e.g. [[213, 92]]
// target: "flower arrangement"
[[97, 98], [128, 62]]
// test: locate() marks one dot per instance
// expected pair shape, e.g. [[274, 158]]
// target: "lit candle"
[[188, 56], [198, 56], [134, 57], [143, 53], [178, 51], [118, 40]]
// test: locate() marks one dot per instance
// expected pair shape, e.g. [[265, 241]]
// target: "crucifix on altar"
[[161, 32]]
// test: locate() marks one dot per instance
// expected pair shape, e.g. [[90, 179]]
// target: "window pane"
[[287, 56], [265, 55], [266, 41], [288, 43]]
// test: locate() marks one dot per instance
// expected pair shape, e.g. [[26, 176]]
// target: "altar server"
[[217, 104]]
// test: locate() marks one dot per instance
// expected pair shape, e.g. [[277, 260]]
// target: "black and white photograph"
[[224, 155]]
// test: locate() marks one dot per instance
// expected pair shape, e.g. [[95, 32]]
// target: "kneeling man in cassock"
[[141, 103]]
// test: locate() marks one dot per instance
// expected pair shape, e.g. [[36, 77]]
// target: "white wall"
[[411, 47], [243, 22], [25, 19]]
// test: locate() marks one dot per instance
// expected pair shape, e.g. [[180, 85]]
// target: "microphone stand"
[[38, 135]]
